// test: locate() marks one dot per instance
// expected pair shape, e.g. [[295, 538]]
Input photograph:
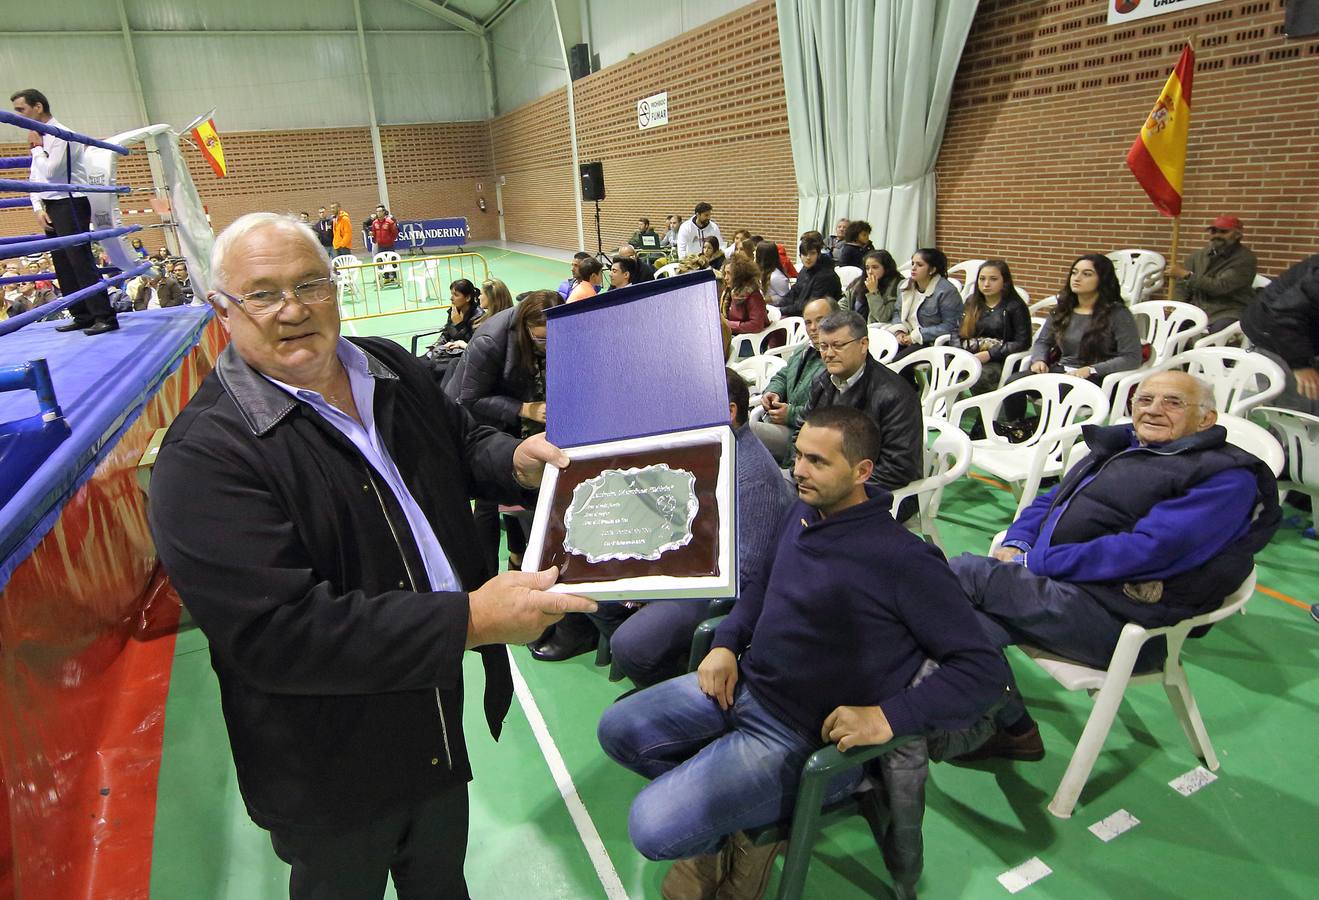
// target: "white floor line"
[[595, 848], [352, 329]]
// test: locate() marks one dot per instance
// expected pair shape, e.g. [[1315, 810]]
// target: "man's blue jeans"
[[714, 772]]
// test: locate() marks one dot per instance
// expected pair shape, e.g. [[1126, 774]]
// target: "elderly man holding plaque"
[[311, 506], [832, 637]]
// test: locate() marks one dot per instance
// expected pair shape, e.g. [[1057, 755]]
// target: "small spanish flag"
[[1158, 158], [208, 141]]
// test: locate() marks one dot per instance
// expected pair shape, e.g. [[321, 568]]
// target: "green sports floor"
[[549, 811]]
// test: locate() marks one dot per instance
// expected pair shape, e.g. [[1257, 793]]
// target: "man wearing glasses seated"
[[852, 377], [1159, 523], [311, 505]]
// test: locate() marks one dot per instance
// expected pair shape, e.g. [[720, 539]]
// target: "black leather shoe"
[[560, 647], [102, 328], [75, 325]]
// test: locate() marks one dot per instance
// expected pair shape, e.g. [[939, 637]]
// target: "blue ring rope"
[[15, 162], [15, 202], [54, 131], [9, 251], [54, 306], [7, 184]]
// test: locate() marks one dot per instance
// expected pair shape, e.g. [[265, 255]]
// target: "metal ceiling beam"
[[499, 13], [441, 11]]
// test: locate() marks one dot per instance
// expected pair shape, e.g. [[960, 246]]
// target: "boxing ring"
[[87, 621]]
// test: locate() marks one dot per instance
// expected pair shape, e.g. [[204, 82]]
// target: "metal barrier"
[[411, 284]]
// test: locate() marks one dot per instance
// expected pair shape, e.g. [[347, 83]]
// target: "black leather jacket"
[[340, 671]]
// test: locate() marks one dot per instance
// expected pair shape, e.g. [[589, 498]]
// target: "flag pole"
[[1177, 219]]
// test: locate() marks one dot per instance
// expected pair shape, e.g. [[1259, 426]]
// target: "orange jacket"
[[343, 230]]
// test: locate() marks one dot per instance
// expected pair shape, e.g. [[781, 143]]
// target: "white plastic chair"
[[948, 371], [347, 277], [793, 328], [883, 343], [757, 370], [1300, 437], [1016, 362], [667, 270], [1231, 336], [964, 274], [848, 274], [1241, 380], [947, 458], [1065, 404], [773, 313], [1139, 273], [1108, 686], [1169, 326]]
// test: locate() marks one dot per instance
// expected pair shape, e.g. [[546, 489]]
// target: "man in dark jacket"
[[310, 505], [1159, 523], [1220, 276], [324, 228], [852, 377], [157, 291], [817, 278], [1283, 322], [845, 579]]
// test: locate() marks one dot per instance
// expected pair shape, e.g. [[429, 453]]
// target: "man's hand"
[[33, 140], [779, 414], [1084, 372], [717, 676], [903, 338], [43, 219], [1006, 554], [1177, 270], [1307, 382], [1039, 367], [534, 412], [530, 457], [983, 356], [769, 400], [856, 726], [515, 607]]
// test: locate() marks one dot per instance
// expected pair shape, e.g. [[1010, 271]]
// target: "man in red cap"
[[1219, 277]]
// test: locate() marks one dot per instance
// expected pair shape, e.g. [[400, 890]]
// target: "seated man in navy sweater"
[[1159, 523], [832, 635]]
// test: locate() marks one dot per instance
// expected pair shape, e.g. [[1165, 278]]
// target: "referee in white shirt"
[[62, 214]]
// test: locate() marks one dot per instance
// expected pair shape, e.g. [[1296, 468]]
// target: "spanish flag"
[[1158, 158], [208, 141]]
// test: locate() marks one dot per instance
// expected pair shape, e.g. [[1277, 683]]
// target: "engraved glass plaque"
[[638, 513]]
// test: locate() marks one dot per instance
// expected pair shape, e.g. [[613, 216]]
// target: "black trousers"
[[421, 846], [75, 267]]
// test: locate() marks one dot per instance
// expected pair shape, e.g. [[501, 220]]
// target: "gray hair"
[[1205, 391], [855, 325], [252, 222]]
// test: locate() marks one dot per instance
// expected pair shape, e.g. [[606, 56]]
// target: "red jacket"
[[384, 232]]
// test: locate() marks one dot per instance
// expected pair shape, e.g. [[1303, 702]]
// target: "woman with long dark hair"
[[713, 253], [1089, 334], [995, 322], [464, 316], [741, 303], [929, 305], [774, 284], [874, 293]]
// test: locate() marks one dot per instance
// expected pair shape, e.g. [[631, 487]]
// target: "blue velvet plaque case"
[[639, 361], [640, 370]]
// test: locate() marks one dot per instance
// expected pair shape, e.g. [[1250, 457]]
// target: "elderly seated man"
[[831, 636], [1159, 523]]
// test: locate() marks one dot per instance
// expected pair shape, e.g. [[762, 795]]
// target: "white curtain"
[[868, 84]]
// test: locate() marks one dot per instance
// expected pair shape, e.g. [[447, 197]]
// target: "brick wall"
[[726, 141], [1049, 98], [432, 170]]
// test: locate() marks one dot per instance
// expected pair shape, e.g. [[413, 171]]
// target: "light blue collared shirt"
[[366, 438]]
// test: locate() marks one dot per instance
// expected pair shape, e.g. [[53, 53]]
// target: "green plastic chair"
[[810, 814]]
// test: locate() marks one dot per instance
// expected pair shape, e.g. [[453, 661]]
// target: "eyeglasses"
[[267, 303], [1171, 404], [836, 348]]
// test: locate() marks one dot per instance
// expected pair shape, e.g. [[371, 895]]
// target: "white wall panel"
[[85, 77], [620, 27], [60, 15], [201, 15], [528, 61], [256, 82], [427, 77]]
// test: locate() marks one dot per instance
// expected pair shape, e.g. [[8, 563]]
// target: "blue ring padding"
[[36, 187], [9, 251], [53, 131], [18, 540], [23, 238], [15, 162], [59, 303], [14, 202]]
